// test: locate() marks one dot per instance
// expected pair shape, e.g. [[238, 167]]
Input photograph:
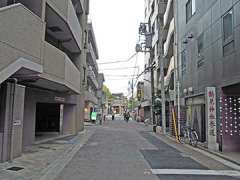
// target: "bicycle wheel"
[[194, 138], [184, 138]]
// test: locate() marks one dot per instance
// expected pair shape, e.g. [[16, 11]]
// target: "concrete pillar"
[[69, 120], [13, 121]]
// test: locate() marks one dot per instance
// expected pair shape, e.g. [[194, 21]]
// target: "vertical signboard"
[[211, 118]]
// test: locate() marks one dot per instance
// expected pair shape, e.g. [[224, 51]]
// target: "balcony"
[[20, 46], [168, 13], [170, 70], [91, 57], [63, 24], [154, 15], [91, 75], [168, 45], [90, 97], [59, 73]]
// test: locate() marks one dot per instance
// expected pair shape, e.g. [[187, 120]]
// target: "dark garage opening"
[[47, 120]]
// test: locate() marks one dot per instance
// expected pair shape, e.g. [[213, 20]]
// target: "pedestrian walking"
[[113, 116], [127, 116]]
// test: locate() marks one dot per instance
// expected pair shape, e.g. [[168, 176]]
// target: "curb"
[[219, 155], [228, 162], [54, 169]]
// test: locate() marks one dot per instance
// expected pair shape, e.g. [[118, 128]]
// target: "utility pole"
[[146, 46], [176, 67], [152, 93], [163, 98], [162, 86], [132, 88]]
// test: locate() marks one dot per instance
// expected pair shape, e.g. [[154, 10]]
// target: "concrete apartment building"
[[42, 60], [152, 17], [209, 41], [161, 18], [91, 82]]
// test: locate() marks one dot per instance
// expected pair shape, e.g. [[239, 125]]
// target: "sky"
[[115, 24]]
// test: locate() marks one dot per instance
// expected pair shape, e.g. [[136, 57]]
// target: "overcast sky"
[[116, 24]]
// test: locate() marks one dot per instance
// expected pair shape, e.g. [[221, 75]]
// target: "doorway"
[[47, 120]]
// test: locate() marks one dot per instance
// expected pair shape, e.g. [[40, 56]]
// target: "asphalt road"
[[130, 151]]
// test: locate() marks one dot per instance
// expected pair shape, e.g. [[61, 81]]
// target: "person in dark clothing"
[[127, 116], [113, 116]]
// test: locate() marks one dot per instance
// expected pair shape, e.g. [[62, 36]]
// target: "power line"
[[112, 75], [113, 62], [119, 68]]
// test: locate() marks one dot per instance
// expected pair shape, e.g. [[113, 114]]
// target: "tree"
[[107, 92]]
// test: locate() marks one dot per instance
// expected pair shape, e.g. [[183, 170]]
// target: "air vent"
[[55, 29]]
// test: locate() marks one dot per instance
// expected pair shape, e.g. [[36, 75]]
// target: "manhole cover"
[[15, 168]]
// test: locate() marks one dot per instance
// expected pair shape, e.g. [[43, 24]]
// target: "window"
[[184, 63], [84, 74], [200, 43], [228, 25], [190, 9], [228, 40], [228, 48]]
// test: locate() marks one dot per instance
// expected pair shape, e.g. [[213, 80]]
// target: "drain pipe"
[[12, 95]]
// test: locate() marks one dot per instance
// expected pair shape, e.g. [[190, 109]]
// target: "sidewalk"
[[231, 159], [44, 161]]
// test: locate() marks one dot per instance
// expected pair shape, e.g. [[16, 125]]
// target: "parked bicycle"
[[189, 136]]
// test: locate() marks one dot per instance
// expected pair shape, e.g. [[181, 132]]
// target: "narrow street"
[[128, 151]]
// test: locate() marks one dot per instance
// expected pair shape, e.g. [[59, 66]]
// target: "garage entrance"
[[47, 120]]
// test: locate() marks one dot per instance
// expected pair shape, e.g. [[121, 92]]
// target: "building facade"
[[91, 81], [208, 35], [160, 15], [42, 55], [119, 103], [101, 98]]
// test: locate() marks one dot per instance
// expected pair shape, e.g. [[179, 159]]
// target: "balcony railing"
[[74, 24], [13, 32], [90, 97], [167, 12], [92, 76], [58, 66], [169, 36], [92, 58], [169, 72]]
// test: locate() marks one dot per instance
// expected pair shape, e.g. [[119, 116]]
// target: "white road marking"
[[195, 172]]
